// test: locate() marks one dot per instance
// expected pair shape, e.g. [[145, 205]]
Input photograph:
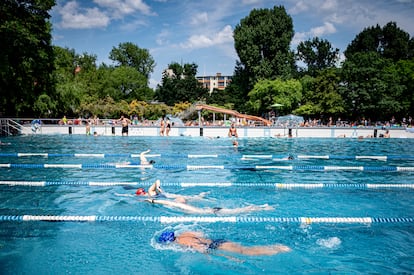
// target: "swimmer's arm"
[[181, 206]]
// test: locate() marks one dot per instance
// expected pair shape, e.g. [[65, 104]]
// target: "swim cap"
[[152, 161], [166, 237], [140, 191]]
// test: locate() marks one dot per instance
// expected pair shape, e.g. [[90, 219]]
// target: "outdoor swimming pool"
[[342, 205]]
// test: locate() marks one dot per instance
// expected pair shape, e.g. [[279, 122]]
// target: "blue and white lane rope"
[[220, 184], [220, 167], [192, 156], [207, 219]]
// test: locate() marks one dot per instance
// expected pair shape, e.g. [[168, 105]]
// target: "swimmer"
[[197, 241], [143, 158], [155, 191], [235, 143], [182, 205]]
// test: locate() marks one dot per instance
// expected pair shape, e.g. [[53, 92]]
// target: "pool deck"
[[211, 131]]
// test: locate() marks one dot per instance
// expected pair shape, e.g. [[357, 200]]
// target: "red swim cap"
[[140, 192]]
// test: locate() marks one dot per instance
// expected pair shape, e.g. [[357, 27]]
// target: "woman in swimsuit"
[[180, 203], [198, 242]]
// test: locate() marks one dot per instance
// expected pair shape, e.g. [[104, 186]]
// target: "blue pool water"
[[129, 247]]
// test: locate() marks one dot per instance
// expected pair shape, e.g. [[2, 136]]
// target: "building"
[[219, 82]]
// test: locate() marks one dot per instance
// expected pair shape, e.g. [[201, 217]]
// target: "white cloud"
[[74, 17], [204, 41], [300, 7], [327, 28], [199, 19], [124, 7], [329, 5], [162, 38]]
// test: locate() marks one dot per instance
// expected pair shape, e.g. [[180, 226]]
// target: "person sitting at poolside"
[[180, 203], [143, 158], [197, 241]]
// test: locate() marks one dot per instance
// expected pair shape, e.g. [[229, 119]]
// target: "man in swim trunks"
[[198, 242], [233, 131], [124, 122]]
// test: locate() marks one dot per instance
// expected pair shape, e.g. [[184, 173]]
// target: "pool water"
[[130, 247]]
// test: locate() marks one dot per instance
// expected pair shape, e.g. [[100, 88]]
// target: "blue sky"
[[201, 31]]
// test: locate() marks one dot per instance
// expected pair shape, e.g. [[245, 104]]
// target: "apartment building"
[[218, 81]]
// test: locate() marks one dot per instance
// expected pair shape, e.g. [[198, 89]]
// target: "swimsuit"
[[124, 129], [215, 244]]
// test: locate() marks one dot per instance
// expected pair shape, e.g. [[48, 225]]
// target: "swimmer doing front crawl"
[[197, 241]]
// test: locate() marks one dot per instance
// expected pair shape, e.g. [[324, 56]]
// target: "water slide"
[[232, 113]]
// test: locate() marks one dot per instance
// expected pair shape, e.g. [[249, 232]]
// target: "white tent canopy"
[[289, 121]]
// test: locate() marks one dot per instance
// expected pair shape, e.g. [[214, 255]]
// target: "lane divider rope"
[[207, 219], [221, 167], [243, 157], [220, 184]]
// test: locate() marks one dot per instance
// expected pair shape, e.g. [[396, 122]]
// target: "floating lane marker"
[[299, 185], [383, 158], [348, 168], [377, 186], [312, 157], [111, 183], [90, 155], [274, 167], [257, 156], [32, 154], [202, 156], [164, 219], [209, 184], [220, 184], [79, 166], [405, 169], [24, 183], [207, 219], [198, 167]]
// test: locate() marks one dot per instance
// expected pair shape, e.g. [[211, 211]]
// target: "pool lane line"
[[206, 219], [242, 157], [219, 184], [220, 167]]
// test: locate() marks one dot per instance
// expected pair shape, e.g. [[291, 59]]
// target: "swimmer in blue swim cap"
[[198, 242], [166, 237]]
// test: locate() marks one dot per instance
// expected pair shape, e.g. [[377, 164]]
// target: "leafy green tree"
[[317, 54], [369, 88], [26, 56], [262, 42], [267, 92], [129, 54], [179, 84], [389, 42]]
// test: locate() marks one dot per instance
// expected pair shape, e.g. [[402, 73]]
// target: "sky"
[[201, 32]]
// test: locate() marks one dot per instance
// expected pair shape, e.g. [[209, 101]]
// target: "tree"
[[262, 42], [370, 88], [317, 54], [267, 92], [26, 56], [129, 54], [389, 42], [179, 84]]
